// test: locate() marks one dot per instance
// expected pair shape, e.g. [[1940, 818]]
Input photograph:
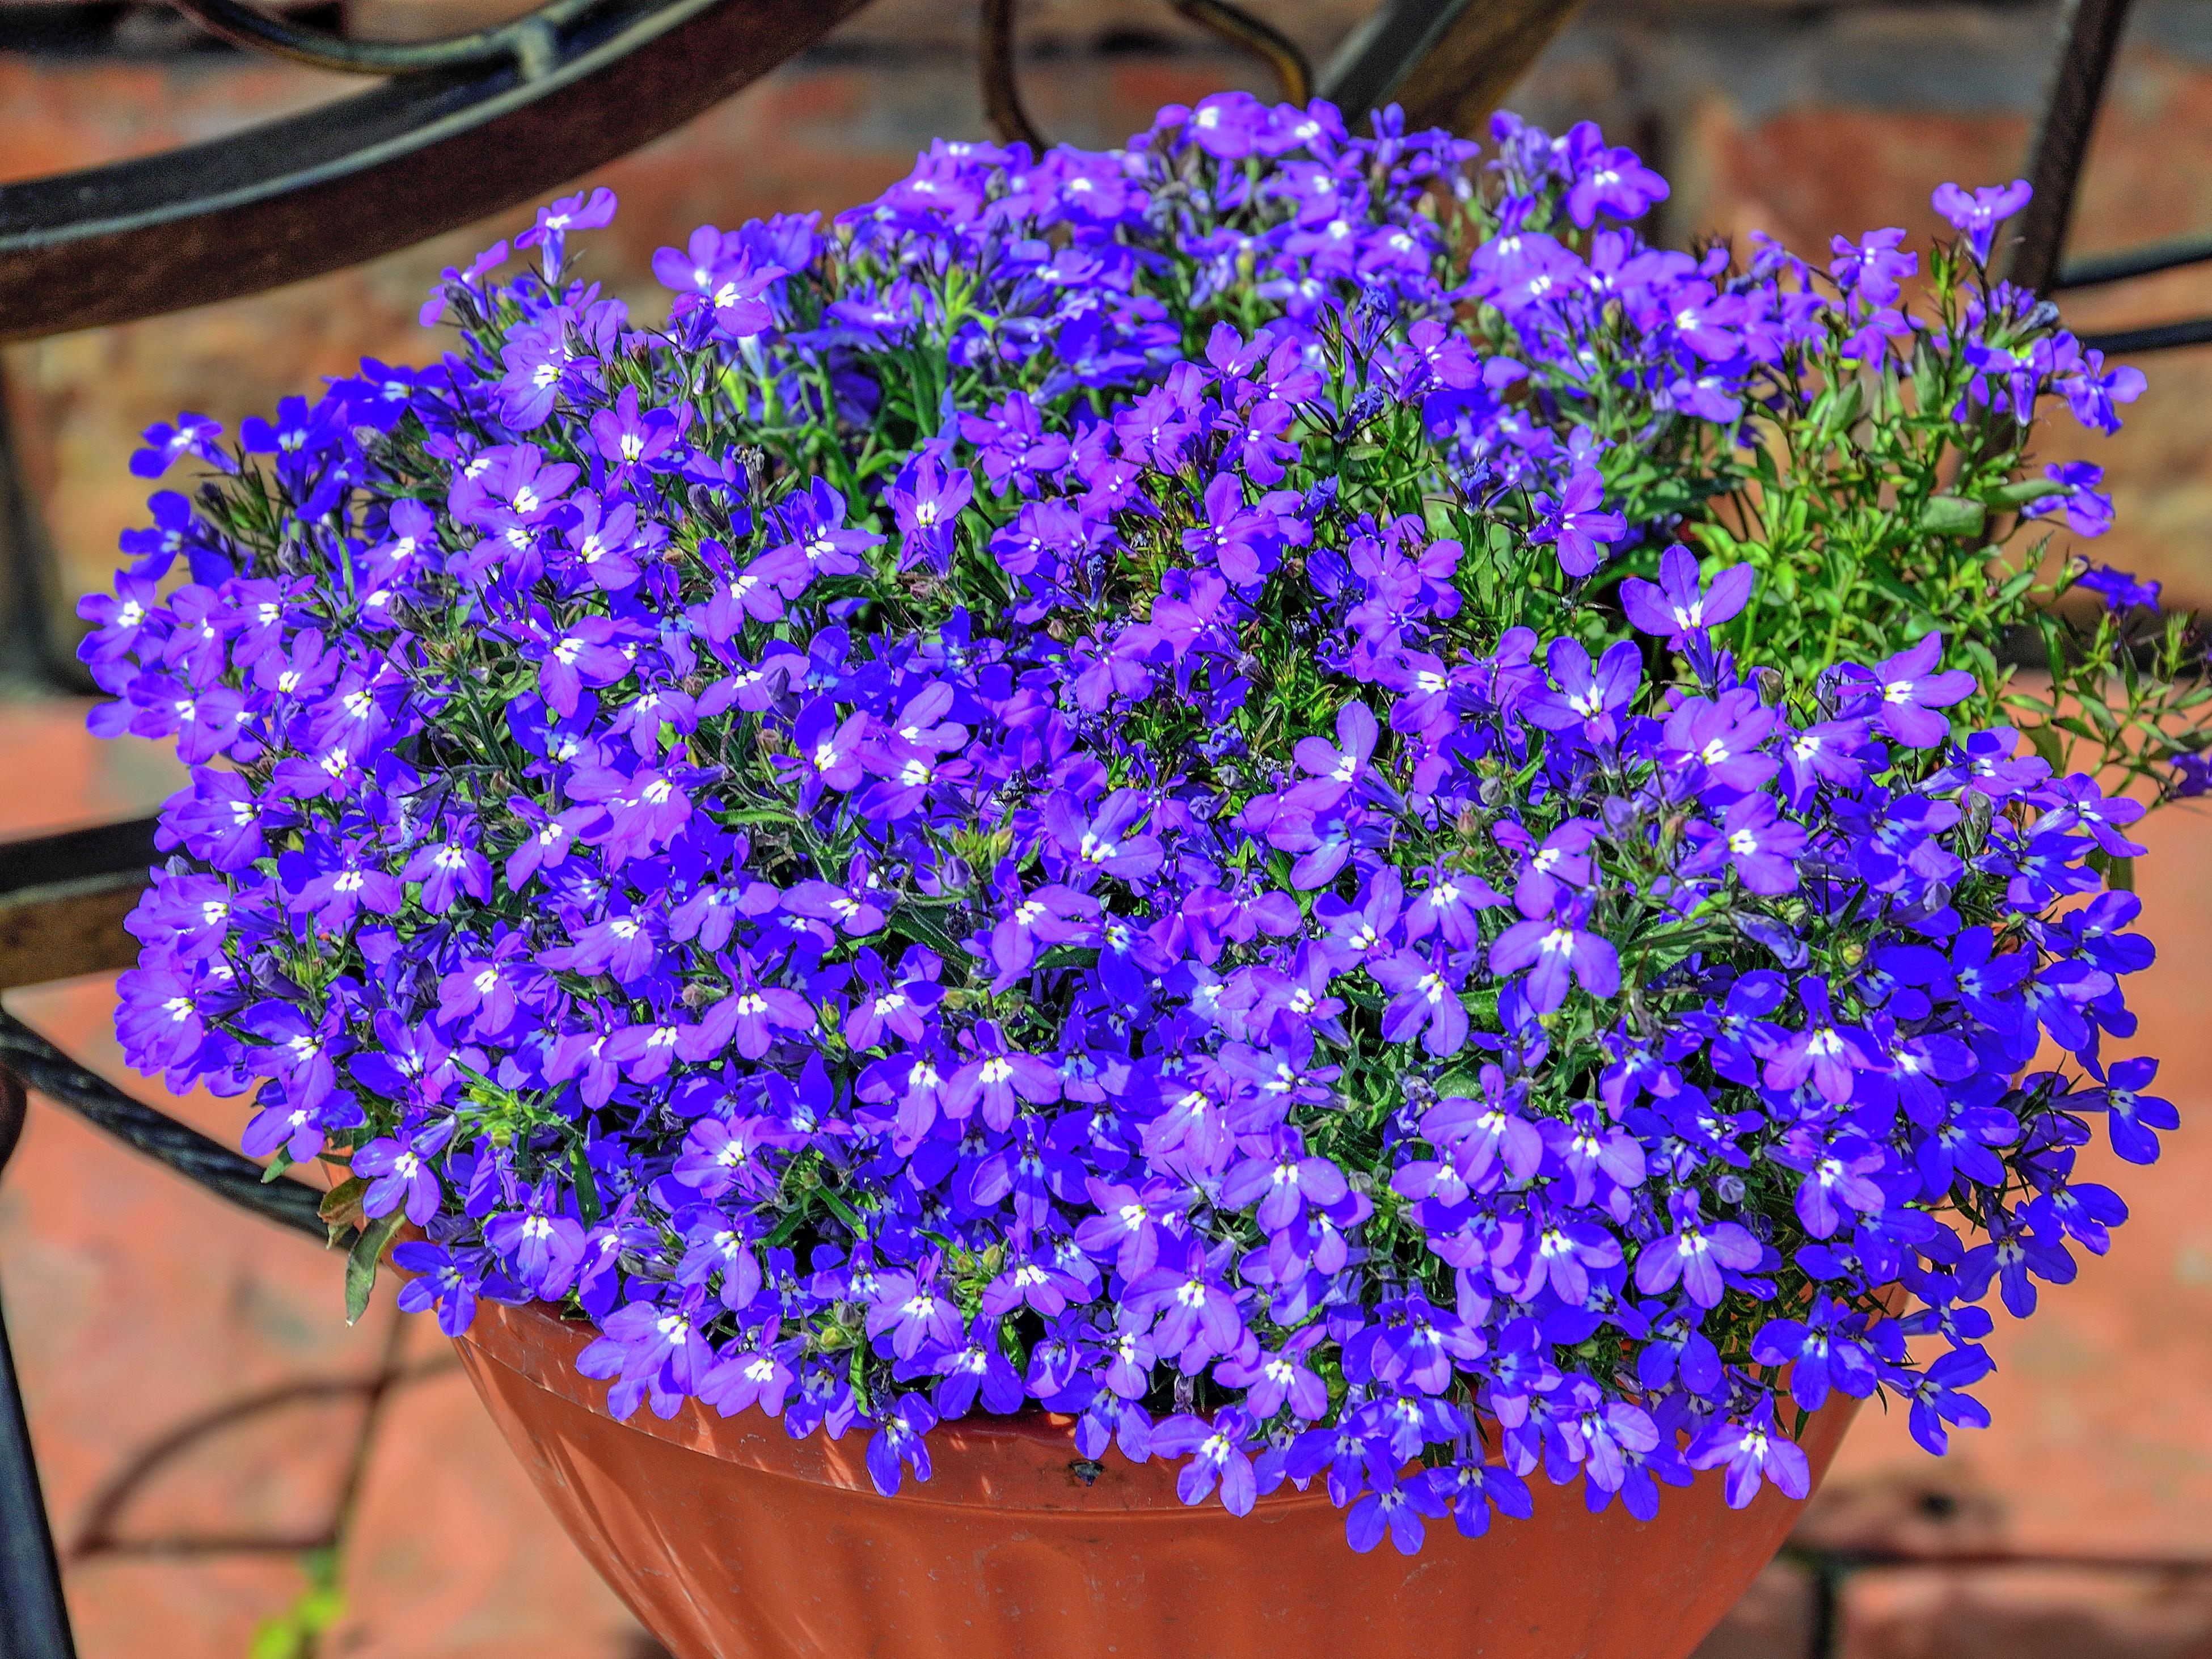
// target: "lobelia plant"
[[1274, 789]]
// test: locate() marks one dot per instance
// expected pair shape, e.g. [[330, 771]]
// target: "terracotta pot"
[[731, 1540]]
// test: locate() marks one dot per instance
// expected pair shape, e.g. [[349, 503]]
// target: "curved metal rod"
[[14, 1108], [1002, 90], [1263, 39], [528, 41], [385, 169], [1002, 94], [34, 1621], [1382, 50], [1447, 63], [36, 1063]]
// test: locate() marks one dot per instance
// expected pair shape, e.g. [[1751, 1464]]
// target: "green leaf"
[[1461, 1081], [841, 1210], [1067, 955], [340, 1210], [1481, 1007], [1952, 515], [2046, 743], [923, 928], [342, 1204], [1360, 997], [587, 1189], [2120, 872], [294, 1634], [361, 1260], [2022, 493]]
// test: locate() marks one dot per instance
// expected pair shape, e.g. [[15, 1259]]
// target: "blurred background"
[[219, 1448]]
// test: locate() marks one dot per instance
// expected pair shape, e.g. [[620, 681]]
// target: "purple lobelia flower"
[[1064, 963], [1907, 693], [1760, 845], [1218, 1457], [2119, 589], [928, 499], [1872, 267], [449, 1281], [1696, 1254], [1822, 1352], [2088, 512], [401, 1173], [570, 213], [166, 443], [1576, 522], [1753, 1453], [1677, 605], [1829, 1052], [1609, 180], [899, 1444], [749, 1376], [2131, 1116], [1425, 1002], [1590, 697], [1977, 215], [1556, 946]]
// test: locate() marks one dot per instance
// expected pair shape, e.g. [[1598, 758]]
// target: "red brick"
[[1774, 1620], [454, 1556], [2026, 1613]]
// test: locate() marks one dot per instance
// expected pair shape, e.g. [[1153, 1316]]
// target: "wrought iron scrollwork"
[[530, 42], [1447, 60], [205, 1163], [516, 113], [1002, 95]]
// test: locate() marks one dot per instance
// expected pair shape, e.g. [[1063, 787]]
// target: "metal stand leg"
[[34, 1618]]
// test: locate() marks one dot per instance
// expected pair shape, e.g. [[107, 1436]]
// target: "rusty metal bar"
[[63, 899]]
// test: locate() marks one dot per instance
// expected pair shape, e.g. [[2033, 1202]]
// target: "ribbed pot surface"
[[729, 1539]]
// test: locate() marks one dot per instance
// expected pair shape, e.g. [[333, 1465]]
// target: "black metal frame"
[[438, 146], [472, 125], [46, 885], [2090, 32], [530, 42], [1381, 52], [33, 1619]]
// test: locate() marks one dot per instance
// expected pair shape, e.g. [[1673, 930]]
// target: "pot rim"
[[1026, 1461]]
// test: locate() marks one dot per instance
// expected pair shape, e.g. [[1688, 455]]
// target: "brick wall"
[[142, 1314]]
